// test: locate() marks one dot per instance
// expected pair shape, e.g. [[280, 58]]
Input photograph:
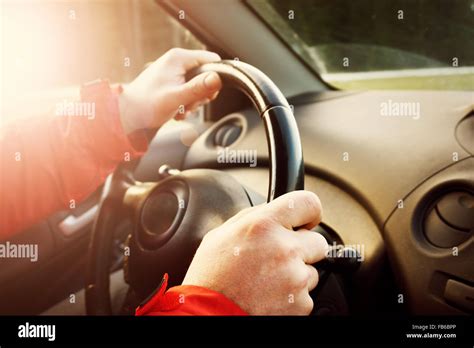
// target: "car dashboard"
[[400, 188]]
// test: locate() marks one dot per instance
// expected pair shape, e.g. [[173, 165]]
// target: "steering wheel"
[[170, 217]]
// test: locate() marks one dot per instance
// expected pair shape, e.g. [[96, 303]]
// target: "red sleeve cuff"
[[187, 300]]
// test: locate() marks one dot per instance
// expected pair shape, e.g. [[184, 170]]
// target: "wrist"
[[107, 126], [125, 112]]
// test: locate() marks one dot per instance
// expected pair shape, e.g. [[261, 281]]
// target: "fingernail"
[[214, 96], [212, 81]]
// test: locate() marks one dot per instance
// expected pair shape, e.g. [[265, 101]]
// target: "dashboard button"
[[460, 294]]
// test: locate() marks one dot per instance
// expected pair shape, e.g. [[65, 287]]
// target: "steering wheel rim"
[[286, 154], [286, 170]]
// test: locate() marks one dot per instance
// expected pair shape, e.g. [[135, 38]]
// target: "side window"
[[49, 48]]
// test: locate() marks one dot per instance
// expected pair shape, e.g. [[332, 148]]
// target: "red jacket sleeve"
[[187, 300], [51, 162], [48, 162]]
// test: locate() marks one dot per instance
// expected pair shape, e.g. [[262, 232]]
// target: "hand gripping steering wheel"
[[170, 217]]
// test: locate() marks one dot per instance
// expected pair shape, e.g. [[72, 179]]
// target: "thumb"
[[200, 87]]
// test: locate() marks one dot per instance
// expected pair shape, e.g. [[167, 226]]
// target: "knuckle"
[[261, 226], [315, 274], [303, 280], [307, 305], [174, 52], [283, 252], [313, 277], [292, 250]]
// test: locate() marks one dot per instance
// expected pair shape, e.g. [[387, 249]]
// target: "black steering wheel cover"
[[283, 138], [97, 291], [286, 156]]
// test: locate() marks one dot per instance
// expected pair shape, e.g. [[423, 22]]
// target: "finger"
[[199, 88], [313, 278], [191, 59], [303, 304], [312, 245], [296, 209], [194, 106], [214, 96]]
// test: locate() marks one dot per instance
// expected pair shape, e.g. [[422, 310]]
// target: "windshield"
[[373, 44]]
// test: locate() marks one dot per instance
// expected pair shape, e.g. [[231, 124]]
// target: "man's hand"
[[257, 260], [157, 94]]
